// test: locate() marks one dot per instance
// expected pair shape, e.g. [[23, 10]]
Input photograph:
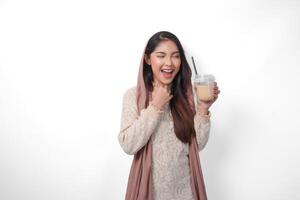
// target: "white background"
[[64, 66]]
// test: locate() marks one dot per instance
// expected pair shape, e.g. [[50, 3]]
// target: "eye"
[[177, 56], [160, 56]]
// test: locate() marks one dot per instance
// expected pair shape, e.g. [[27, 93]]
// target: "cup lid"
[[205, 77]]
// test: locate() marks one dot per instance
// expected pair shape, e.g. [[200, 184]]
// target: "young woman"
[[162, 127]]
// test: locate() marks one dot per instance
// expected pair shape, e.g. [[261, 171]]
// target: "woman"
[[161, 127]]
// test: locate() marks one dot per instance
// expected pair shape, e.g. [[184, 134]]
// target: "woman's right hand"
[[161, 95]]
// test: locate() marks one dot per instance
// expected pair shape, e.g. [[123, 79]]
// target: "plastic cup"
[[204, 84]]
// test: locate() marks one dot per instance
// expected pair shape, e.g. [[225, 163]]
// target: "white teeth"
[[167, 70]]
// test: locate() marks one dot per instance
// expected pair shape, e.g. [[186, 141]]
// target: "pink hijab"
[[139, 185]]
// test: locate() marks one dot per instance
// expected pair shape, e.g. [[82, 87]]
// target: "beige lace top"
[[170, 163]]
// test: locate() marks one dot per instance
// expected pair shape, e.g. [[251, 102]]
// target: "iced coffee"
[[204, 84]]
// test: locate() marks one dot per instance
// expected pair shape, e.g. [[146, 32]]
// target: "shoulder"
[[130, 93]]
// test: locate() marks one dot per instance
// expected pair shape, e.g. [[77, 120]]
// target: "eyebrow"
[[165, 53]]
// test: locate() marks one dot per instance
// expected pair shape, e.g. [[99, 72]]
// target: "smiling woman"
[[162, 128]]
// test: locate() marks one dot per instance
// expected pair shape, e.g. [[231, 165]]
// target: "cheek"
[[177, 70], [177, 65], [156, 64]]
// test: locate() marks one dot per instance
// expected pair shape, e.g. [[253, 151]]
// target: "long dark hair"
[[181, 108]]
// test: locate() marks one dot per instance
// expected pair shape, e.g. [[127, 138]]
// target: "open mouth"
[[168, 71]]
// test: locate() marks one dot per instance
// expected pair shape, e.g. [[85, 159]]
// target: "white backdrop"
[[64, 66]]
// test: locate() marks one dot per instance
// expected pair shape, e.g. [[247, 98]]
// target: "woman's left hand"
[[206, 104]]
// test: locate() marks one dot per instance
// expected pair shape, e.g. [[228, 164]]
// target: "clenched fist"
[[160, 95]]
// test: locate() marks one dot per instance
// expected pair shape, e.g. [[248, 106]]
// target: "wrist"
[[203, 111]]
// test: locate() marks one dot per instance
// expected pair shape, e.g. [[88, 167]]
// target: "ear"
[[147, 59]]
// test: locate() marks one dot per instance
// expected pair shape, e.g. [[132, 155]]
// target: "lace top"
[[170, 162]]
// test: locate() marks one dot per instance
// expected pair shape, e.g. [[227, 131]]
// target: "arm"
[[136, 130], [201, 123], [202, 128]]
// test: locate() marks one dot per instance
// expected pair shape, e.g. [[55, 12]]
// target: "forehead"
[[166, 46]]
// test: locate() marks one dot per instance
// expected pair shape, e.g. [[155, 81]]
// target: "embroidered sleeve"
[[136, 130], [202, 126]]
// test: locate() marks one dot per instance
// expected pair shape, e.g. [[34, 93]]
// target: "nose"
[[168, 61]]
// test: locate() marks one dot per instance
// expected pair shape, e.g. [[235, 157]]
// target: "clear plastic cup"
[[204, 84]]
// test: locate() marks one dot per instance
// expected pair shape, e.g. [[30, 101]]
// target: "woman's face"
[[165, 62]]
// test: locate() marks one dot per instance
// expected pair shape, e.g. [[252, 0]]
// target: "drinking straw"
[[194, 66]]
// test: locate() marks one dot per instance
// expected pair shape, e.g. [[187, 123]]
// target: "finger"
[[214, 98], [217, 92], [164, 88], [169, 89], [154, 92]]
